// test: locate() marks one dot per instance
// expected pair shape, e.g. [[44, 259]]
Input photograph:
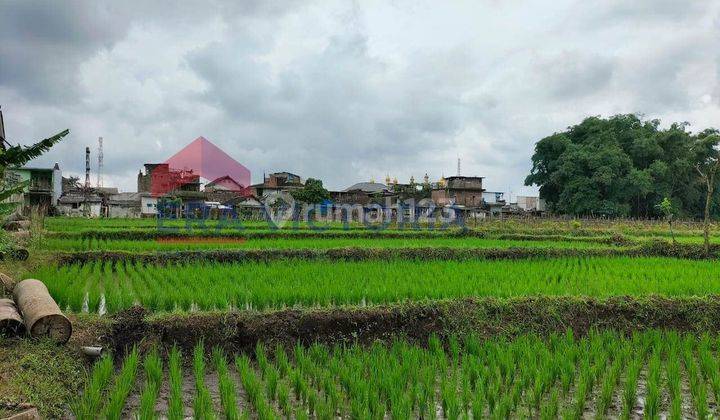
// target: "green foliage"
[[15, 156], [621, 166], [20, 155], [312, 193], [666, 208]]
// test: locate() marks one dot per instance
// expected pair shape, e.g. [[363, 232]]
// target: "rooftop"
[[368, 187]]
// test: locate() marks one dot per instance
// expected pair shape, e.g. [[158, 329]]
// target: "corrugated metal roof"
[[368, 187]]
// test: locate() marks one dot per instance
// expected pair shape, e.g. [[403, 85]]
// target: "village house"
[[80, 203], [362, 193], [465, 191], [126, 204], [277, 182], [494, 202], [159, 178], [43, 190]]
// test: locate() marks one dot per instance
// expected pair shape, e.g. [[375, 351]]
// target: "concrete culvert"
[[11, 323], [20, 254], [41, 314], [6, 283], [16, 225]]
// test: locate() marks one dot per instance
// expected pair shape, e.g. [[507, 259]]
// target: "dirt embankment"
[[240, 331], [651, 249]]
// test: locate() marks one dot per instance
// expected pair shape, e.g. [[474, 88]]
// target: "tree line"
[[626, 166]]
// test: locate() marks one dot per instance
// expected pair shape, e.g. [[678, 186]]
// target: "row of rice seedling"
[[652, 374], [281, 284], [78, 224], [683, 230], [153, 367], [95, 244], [103, 394], [506, 225]]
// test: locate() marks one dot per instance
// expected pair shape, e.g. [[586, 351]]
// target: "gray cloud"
[[347, 92]]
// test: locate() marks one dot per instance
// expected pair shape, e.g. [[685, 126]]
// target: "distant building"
[[44, 186], [160, 179], [464, 191], [80, 203], [534, 204], [362, 193], [148, 205], [225, 183], [124, 205], [494, 202], [277, 182]]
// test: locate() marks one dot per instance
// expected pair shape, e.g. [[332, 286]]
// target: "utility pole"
[[458, 167], [100, 163], [87, 167], [2, 131], [86, 189]]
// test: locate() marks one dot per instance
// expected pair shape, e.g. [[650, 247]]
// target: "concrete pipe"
[[11, 323], [6, 283], [41, 314]]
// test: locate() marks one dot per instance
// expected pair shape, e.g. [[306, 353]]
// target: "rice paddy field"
[[185, 244], [105, 287], [627, 334], [653, 374]]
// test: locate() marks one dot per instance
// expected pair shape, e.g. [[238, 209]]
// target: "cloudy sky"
[[348, 91]]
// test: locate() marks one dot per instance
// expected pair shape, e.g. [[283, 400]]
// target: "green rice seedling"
[[175, 401], [609, 384], [450, 403], [88, 404], [549, 410], [583, 389], [153, 380], [477, 406], [253, 387], [283, 398], [280, 284], [630, 392], [709, 366], [226, 385], [202, 404], [674, 380], [123, 385], [261, 357], [698, 389], [652, 397], [281, 361], [271, 382]]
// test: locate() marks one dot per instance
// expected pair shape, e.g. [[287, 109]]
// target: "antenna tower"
[[100, 163]]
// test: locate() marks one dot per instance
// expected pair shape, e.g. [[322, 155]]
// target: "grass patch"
[[40, 373]]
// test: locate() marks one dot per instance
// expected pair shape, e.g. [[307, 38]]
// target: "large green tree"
[[620, 166], [312, 193]]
